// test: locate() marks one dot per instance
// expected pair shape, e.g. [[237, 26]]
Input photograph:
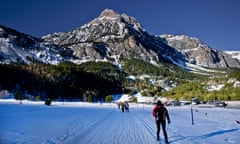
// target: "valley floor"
[[84, 123]]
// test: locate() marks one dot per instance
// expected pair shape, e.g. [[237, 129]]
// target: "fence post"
[[192, 116]]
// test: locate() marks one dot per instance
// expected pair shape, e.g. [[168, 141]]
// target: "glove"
[[169, 121]]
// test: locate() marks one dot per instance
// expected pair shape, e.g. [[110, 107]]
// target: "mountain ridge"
[[198, 52], [17, 47], [111, 36]]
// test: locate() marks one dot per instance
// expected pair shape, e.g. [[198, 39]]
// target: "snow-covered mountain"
[[109, 37], [22, 48], [234, 54], [199, 53]]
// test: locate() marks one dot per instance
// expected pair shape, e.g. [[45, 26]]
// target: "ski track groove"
[[148, 126], [118, 121], [76, 130], [77, 135]]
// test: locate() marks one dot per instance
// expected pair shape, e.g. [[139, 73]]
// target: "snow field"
[[84, 123]]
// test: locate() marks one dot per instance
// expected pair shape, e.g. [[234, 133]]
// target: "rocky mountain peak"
[[108, 26], [109, 37], [113, 15], [109, 13], [109, 18], [113, 34]]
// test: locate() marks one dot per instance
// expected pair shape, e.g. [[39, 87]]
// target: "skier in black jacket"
[[161, 114]]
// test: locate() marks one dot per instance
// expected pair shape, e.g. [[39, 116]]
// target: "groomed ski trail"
[[118, 127]]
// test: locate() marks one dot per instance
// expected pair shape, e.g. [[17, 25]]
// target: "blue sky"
[[215, 22]]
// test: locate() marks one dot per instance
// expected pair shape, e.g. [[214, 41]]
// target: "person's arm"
[[154, 111], [167, 115]]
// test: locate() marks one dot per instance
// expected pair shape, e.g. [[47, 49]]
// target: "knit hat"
[[159, 102]]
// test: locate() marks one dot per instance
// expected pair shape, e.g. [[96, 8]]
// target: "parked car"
[[220, 104]]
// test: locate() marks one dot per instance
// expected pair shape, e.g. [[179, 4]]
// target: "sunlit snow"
[[234, 54], [85, 123]]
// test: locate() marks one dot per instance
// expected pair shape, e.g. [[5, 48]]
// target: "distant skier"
[[161, 114], [122, 106], [126, 106], [118, 105]]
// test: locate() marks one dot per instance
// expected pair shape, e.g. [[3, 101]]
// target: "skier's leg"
[[158, 130], [165, 131]]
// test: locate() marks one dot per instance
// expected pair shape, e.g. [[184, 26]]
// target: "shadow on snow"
[[205, 136]]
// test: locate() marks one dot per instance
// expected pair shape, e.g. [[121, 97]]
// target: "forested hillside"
[[66, 80], [218, 88], [93, 81]]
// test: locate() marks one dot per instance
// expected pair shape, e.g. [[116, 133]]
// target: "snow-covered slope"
[[84, 123], [198, 53], [234, 54], [22, 48]]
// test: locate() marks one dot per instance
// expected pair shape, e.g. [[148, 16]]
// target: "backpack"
[[160, 114]]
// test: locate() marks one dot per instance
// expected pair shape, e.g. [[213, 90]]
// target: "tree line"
[[93, 81], [201, 91], [64, 81]]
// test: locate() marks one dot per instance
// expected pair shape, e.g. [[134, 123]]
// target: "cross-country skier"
[[161, 114], [126, 106], [122, 106]]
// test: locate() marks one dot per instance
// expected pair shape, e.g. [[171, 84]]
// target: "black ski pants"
[[163, 124]]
